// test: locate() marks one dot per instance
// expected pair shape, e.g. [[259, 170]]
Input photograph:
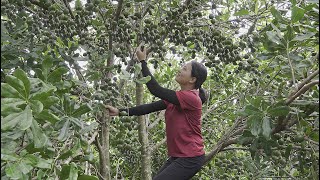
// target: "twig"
[[93, 137]]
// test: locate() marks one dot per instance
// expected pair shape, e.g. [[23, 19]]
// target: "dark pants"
[[180, 168]]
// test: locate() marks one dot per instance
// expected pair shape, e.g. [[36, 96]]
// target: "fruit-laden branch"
[[282, 122], [38, 4], [68, 7]]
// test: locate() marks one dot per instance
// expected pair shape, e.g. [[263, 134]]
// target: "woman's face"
[[184, 74]]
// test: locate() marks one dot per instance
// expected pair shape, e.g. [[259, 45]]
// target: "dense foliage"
[[63, 60]]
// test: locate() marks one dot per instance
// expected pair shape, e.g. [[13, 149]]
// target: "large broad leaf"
[[68, 105], [45, 115], [143, 80], [17, 84], [81, 110], [242, 12], [297, 13], [39, 74], [73, 172], [25, 166], [9, 106], [64, 131], [36, 106], [272, 36], [254, 122], [55, 76], [89, 128], [266, 128], [22, 120], [50, 101], [13, 171], [276, 14], [251, 110], [39, 138], [8, 91], [69, 172], [302, 37], [46, 66], [278, 111], [44, 163], [19, 73]]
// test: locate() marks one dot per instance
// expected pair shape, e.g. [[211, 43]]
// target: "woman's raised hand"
[[141, 52]]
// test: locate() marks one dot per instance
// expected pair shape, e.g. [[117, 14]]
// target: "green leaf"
[[279, 111], [24, 166], [125, 75], [276, 14], [56, 75], [87, 177], [9, 157], [288, 151], [39, 74], [44, 163], [251, 110], [20, 120], [13, 171], [48, 116], [50, 101], [272, 36], [89, 128], [65, 155], [289, 35], [143, 80], [242, 12], [46, 66], [254, 123], [64, 131], [302, 37], [96, 22], [65, 171], [8, 91], [81, 110], [73, 172], [39, 138], [9, 106], [36, 106], [266, 129], [297, 13], [68, 105], [19, 73], [17, 84]]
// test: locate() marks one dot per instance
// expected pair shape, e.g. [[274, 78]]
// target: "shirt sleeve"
[[145, 108], [189, 100], [155, 89]]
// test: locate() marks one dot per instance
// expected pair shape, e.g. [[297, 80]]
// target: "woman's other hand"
[[112, 110]]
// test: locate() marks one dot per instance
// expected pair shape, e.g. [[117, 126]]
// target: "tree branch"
[[155, 147], [301, 91], [305, 81]]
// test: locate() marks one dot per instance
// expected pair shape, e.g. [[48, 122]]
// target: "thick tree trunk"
[[143, 137], [104, 158]]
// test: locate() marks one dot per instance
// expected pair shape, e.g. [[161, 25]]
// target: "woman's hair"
[[199, 71]]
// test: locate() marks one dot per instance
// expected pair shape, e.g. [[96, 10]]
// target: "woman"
[[182, 118]]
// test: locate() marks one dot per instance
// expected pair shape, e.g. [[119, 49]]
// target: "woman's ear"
[[193, 80]]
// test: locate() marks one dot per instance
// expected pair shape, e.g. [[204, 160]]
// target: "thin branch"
[[93, 138], [305, 81], [155, 147], [302, 90]]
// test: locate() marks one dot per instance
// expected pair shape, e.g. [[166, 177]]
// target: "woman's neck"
[[187, 87]]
